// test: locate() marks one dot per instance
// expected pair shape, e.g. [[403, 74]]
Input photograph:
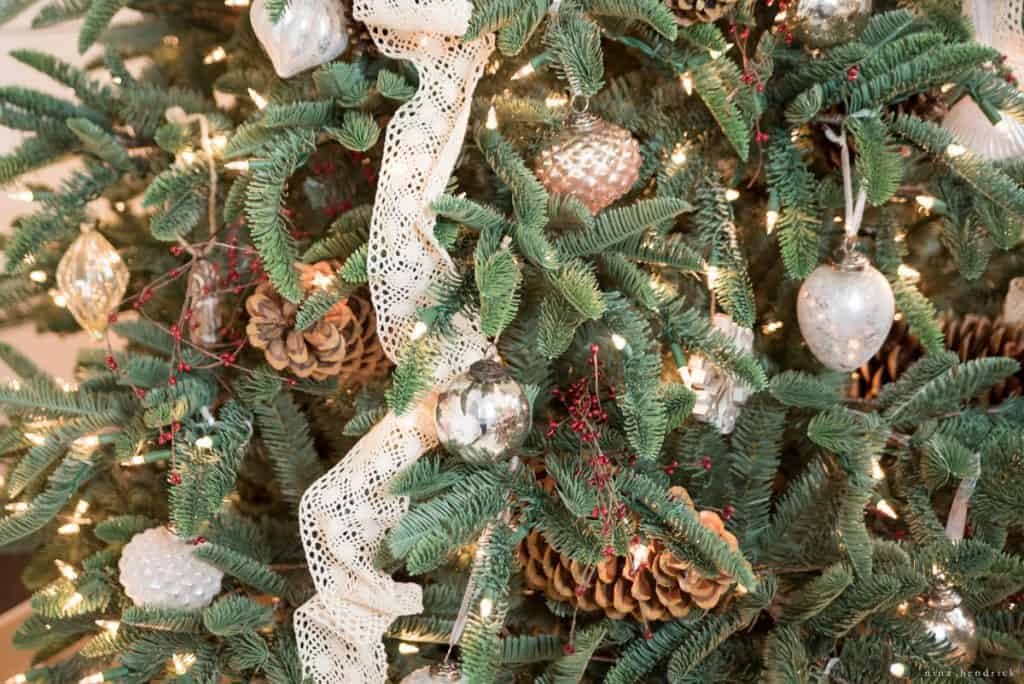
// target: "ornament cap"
[[445, 671], [487, 370], [848, 258]]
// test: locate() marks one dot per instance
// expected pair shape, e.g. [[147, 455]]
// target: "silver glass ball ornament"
[[845, 311], [308, 34], [824, 23], [482, 414], [949, 623], [438, 673]]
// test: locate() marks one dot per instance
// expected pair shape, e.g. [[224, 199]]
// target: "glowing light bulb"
[[238, 165], [898, 670], [87, 442], [218, 54], [526, 70], [257, 99], [204, 442], [65, 569], [35, 438], [771, 327], [418, 331], [946, 87], [82, 507], [732, 194], [926, 202], [110, 625], [16, 679], [68, 529], [715, 54], [75, 600], [181, 662], [492, 118], [486, 608], [618, 341], [771, 218], [406, 648], [712, 274], [120, 207], [22, 196], [687, 82], [218, 143], [679, 155], [955, 150], [556, 100], [236, 3], [876, 470], [908, 273], [886, 509], [96, 678], [135, 460], [16, 507]]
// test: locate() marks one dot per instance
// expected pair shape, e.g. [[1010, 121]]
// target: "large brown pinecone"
[[661, 587], [971, 337], [689, 12]]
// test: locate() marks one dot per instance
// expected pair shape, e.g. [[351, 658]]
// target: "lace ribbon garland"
[[344, 515]]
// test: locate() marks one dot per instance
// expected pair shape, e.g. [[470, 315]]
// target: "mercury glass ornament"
[[438, 673], [845, 311], [592, 160], [158, 570], [482, 414], [93, 279], [203, 303], [719, 395], [308, 34], [824, 23], [949, 623]]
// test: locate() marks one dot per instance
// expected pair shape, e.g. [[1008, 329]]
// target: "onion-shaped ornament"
[[438, 673], [592, 160], [482, 414], [309, 33], [93, 278], [949, 623], [845, 311], [824, 23], [158, 570]]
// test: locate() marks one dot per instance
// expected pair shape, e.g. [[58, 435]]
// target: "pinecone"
[[689, 12], [364, 357], [971, 337], [315, 353], [658, 587], [928, 105]]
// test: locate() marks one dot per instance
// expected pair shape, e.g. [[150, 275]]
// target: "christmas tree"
[[521, 340]]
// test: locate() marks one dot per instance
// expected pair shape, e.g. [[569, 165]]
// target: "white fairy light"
[[679, 155], [22, 196], [204, 442], [492, 118], [556, 100], [418, 331], [955, 150], [236, 3], [524, 71], [66, 570], [908, 273], [876, 470], [486, 608], [238, 165], [96, 678], [687, 82], [257, 99], [405, 648], [771, 327], [137, 459], [618, 341], [886, 509], [182, 662], [72, 602], [946, 87], [218, 54], [771, 218], [68, 529], [19, 678], [898, 670], [35, 438], [732, 194], [110, 625], [926, 202], [16, 507]]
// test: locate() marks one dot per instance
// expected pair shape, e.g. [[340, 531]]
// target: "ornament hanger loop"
[[580, 104]]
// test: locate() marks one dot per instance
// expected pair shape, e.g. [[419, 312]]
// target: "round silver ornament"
[[949, 623], [438, 673], [592, 160], [159, 570], [93, 278], [308, 34], [845, 311], [482, 414], [824, 23]]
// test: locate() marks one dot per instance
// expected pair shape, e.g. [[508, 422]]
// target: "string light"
[[486, 608], [182, 662], [955, 150], [618, 341], [22, 196], [405, 648], [886, 509], [908, 273], [170, 41], [236, 3], [715, 54], [712, 274], [679, 155], [556, 100], [19, 678], [638, 554], [771, 218], [526, 70], [96, 678], [492, 118], [66, 570], [238, 165], [74, 601], [257, 99], [87, 442], [219, 143], [898, 670], [137, 459], [218, 54], [16, 507], [732, 194], [771, 327], [204, 442], [110, 625], [35, 438], [946, 87], [418, 331], [876, 470], [687, 82], [68, 529], [926, 202]]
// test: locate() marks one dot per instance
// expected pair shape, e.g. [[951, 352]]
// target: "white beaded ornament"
[[158, 570], [997, 23], [308, 34], [343, 516]]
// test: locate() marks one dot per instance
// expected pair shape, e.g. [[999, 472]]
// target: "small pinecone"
[[364, 356], [971, 337], [315, 353], [928, 105], [660, 588], [689, 12]]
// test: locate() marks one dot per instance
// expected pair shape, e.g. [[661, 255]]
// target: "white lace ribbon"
[[344, 515]]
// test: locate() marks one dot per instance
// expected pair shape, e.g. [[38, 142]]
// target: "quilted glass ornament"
[[203, 303], [158, 570], [308, 34], [482, 414], [438, 673], [592, 160], [824, 23], [719, 395], [845, 311], [93, 279]]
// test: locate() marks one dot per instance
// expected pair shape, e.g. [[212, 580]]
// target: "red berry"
[[648, 634], [111, 362], [112, 318], [140, 393], [581, 590], [199, 540], [172, 381], [175, 478], [727, 512], [852, 73], [760, 87], [176, 250], [568, 649]]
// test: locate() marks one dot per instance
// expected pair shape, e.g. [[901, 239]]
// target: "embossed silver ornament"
[[93, 278], [719, 395], [308, 34], [482, 414], [592, 160], [438, 673], [949, 623], [159, 570], [824, 23], [845, 311]]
